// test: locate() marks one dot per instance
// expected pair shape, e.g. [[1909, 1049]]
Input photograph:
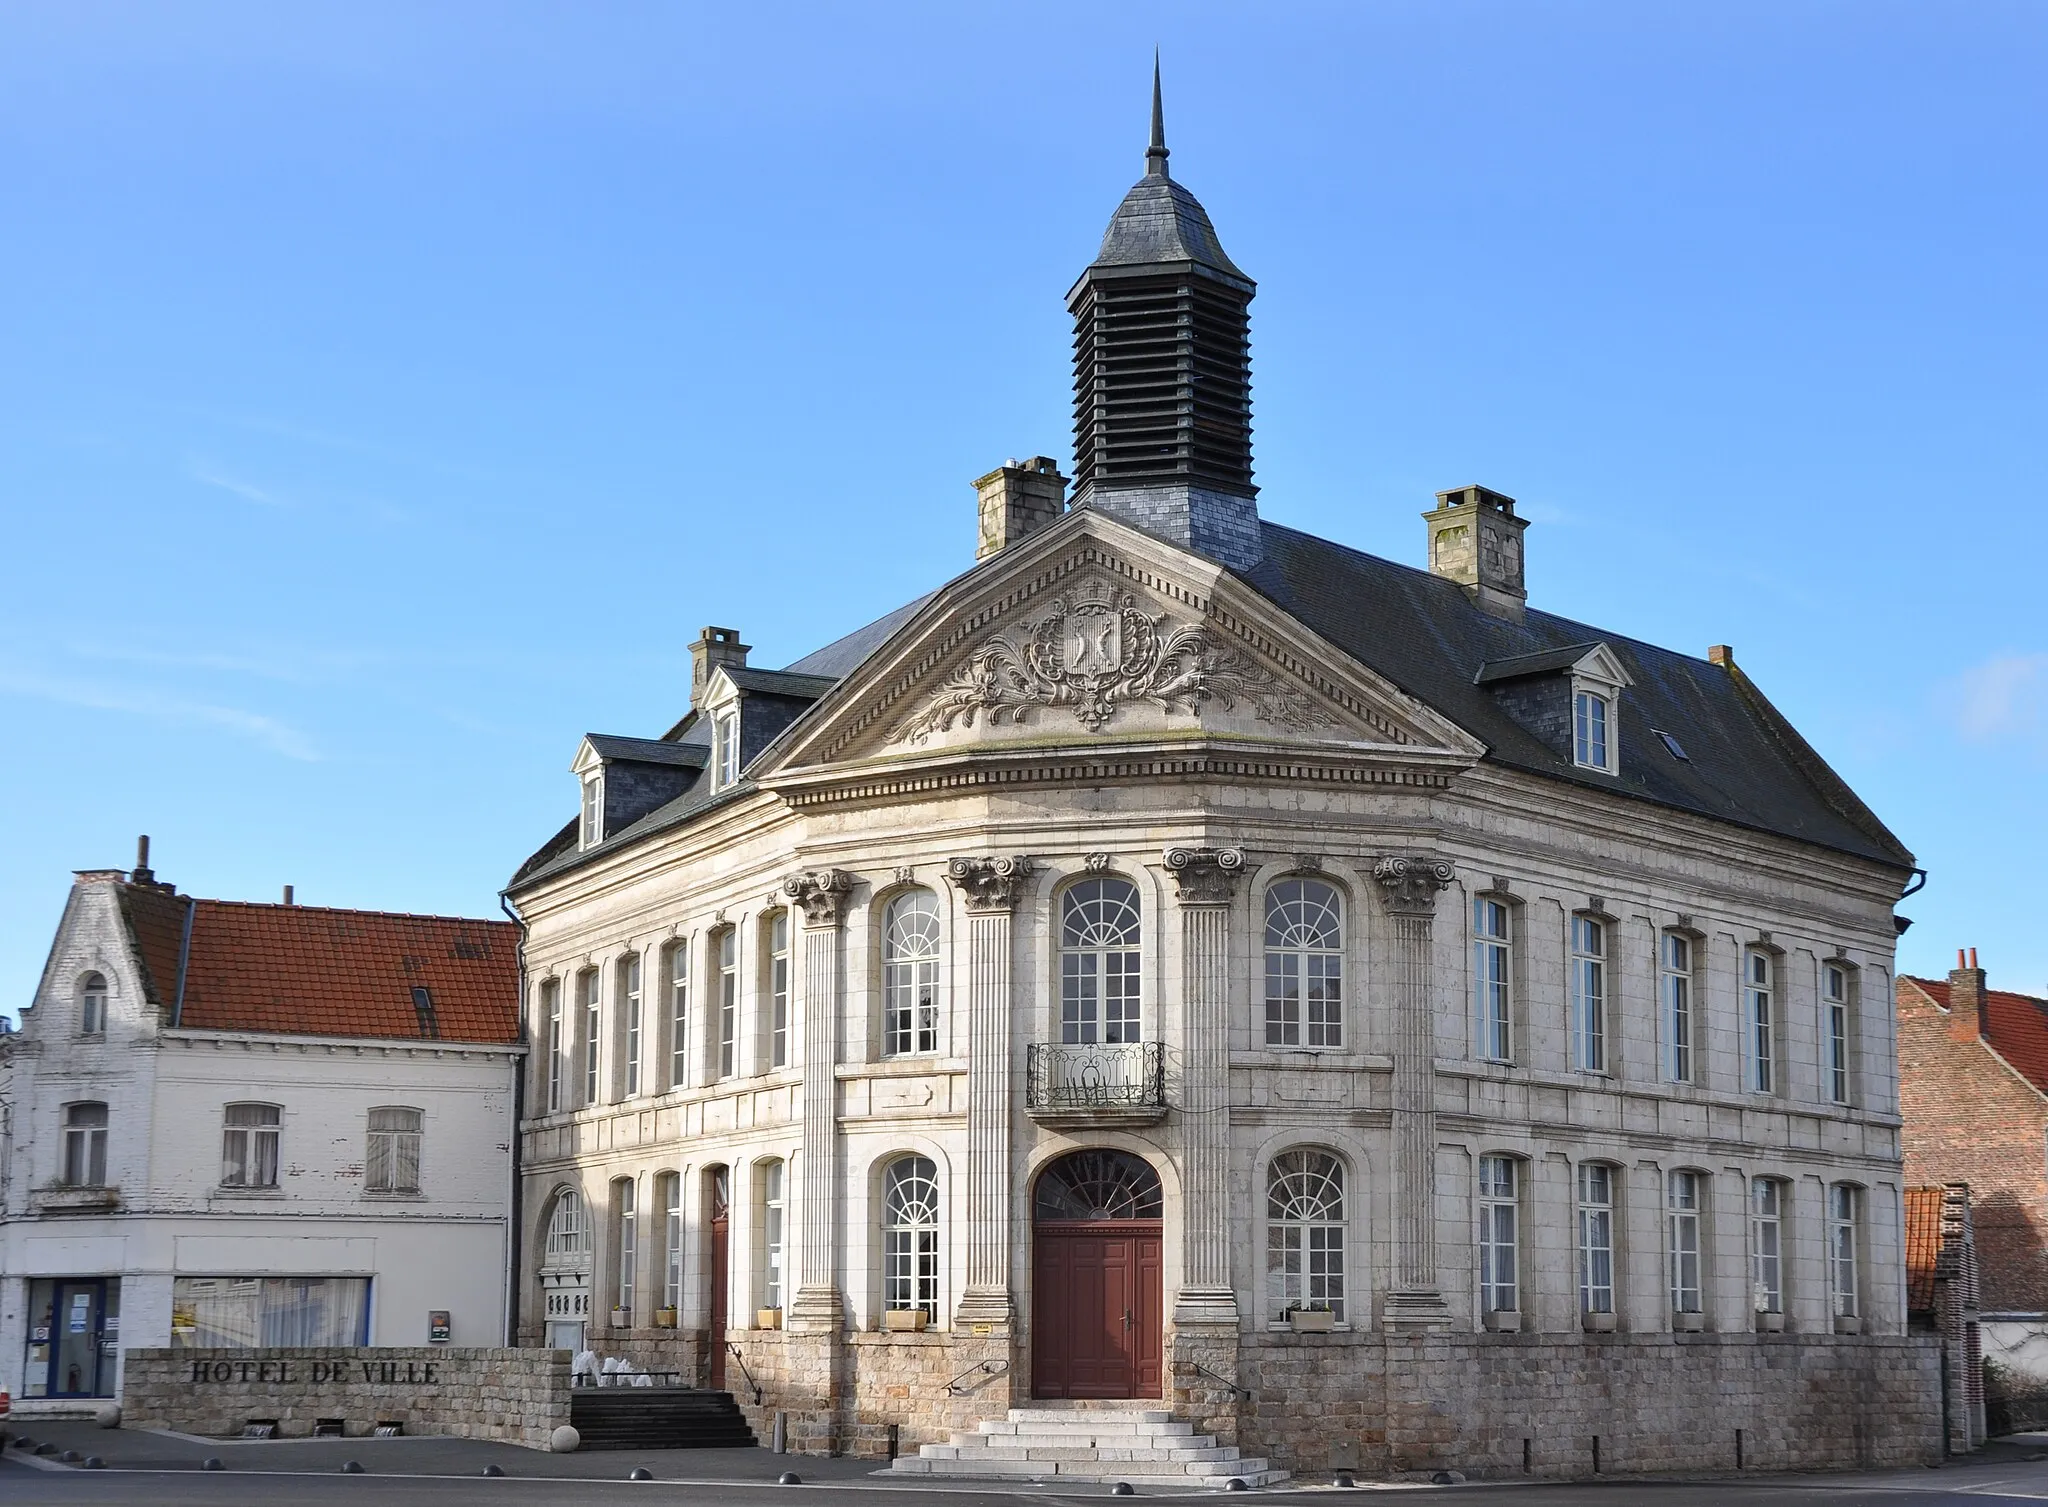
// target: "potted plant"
[[622, 1318], [1770, 1321], [1311, 1318], [1598, 1322], [1683, 1322], [767, 1318], [904, 1320], [1504, 1321], [664, 1318]]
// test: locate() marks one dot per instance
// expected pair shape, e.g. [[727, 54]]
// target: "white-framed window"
[[626, 1210], [593, 1036], [1684, 1199], [557, 1044], [1596, 1237], [1592, 734], [774, 1233], [393, 1161], [593, 810], [1304, 964], [1100, 993], [728, 1001], [910, 1236], [568, 1241], [778, 989], [630, 1017], [678, 1015], [910, 974], [1844, 1242], [669, 1194], [725, 748], [1492, 978], [1499, 1234], [1305, 1233], [1589, 995], [1760, 1021], [1674, 991], [92, 1005], [248, 1147], [1767, 1244], [85, 1145], [1835, 989]]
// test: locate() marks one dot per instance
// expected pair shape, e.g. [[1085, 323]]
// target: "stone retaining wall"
[[519, 1396]]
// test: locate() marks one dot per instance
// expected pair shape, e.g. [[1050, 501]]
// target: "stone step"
[[1085, 1424], [1097, 1415], [1185, 1437], [1079, 1453], [1216, 1475]]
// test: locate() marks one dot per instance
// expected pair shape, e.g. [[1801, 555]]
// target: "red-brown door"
[[1097, 1309], [718, 1266]]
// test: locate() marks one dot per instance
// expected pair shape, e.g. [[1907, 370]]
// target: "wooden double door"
[[1097, 1305]]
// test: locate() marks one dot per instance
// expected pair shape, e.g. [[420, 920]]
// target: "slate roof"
[[1544, 662], [790, 682], [1160, 221], [1923, 1247], [2016, 1025], [648, 750]]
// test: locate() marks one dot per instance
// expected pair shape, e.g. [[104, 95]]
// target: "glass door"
[[78, 1320]]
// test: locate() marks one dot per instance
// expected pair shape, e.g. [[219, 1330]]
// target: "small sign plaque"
[[438, 1327]]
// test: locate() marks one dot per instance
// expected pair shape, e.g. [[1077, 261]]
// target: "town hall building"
[[1374, 1018]]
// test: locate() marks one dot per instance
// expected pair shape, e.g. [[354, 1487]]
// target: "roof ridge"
[[353, 910]]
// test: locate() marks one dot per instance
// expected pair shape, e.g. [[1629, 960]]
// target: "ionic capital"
[[1410, 885], [1205, 876], [990, 885], [822, 893]]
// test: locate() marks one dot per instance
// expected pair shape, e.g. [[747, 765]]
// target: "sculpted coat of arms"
[[1094, 652]]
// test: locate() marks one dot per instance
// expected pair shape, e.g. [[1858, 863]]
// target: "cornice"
[[187, 1039]]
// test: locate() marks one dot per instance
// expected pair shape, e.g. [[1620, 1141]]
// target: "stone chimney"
[[1018, 498], [1475, 539], [714, 647], [1966, 997]]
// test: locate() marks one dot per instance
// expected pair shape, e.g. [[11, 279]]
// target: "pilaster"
[[1207, 882], [817, 1305]]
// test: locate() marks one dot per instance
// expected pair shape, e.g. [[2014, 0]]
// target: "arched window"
[[248, 1154], [1099, 990], [85, 1145], [774, 1232], [910, 1236], [910, 974], [1305, 1233], [1096, 1185], [1304, 965], [568, 1243], [92, 1005]]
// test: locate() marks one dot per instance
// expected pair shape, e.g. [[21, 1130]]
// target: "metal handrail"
[[734, 1351], [1244, 1392], [983, 1367]]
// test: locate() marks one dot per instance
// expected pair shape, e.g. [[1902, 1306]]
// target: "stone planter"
[[1770, 1323], [1597, 1323], [1311, 1320], [1504, 1321], [767, 1318], [664, 1318], [904, 1320], [1688, 1323], [1848, 1323], [622, 1318]]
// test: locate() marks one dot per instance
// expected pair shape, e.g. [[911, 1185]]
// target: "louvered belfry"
[[1162, 371]]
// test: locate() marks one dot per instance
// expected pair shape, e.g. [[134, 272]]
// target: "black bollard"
[[640, 1473], [1123, 1489], [1236, 1483], [94, 1462], [351, 1467], [494, 1470], [212, 1462], [789, 1478], [1344, 1478]]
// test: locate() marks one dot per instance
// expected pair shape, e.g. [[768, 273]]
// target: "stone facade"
[[518, 1396]]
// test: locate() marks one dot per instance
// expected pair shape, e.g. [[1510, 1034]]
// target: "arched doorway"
[[565, 1273], [717, 1269], [1097, 1298]]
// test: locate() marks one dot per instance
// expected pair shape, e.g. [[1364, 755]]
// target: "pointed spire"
[[1156, 153]]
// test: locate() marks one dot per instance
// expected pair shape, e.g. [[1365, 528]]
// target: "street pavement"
[[166, 1469]]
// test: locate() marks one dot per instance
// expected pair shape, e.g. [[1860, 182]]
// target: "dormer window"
[[725, 748], [1592, 743], [1569, 697], [593, 810]]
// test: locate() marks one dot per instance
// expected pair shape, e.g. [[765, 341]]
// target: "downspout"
[[517, 1226]]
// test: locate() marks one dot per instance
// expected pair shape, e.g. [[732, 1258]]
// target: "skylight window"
[[1671, 745]]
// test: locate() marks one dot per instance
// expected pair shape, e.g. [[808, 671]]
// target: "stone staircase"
[[1144, 1446]]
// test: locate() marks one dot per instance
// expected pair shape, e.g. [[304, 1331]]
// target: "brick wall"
[[1970, 1118]]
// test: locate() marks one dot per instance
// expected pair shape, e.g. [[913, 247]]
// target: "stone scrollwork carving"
[[1205, 876], [1094, 651], [1098, 863], [990, 884], [822, 893], [1410, 885]]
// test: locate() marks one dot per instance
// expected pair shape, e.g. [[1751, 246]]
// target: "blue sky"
[[388, 392]]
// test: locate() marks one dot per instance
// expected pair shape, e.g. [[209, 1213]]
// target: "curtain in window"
[[249, 1146], [237, 1313], [394, 1161]]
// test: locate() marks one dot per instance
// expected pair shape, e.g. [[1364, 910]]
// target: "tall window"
[[1491, 969], [773, 1234], [1590, 742], [626, 1202], [1674, 980], [593, 1035], [630, 1017], [728, 1001], [1834, 994], [910, 974], [1304, 965], [1305, 1233], [1589, 995], [910, 1236], [248, 1154], [778, 989], [1499, 1266], [558, 1044], [1099, 992], [92, 1005], [1766, 1245], [393, 1163], [669, 1190], [1596, 1237], [678, 1014], [593, 810], [85, 1145], [725, 748], [1683, 1211], [1760, 1021], [1843, 1210], [568, 1240]]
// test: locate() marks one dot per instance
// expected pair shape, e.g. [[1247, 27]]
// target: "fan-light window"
[[1099, 977], [910, 1236], [1305, 1233], [1304, 965], [910, 974]]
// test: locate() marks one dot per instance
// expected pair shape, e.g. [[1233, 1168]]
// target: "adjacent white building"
[[232, 1124]]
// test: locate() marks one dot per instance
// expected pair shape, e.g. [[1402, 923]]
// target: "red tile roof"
[[310, 971], [1923, 1246], [2015, 1024]]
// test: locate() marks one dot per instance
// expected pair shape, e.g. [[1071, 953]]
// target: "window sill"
[[394, 1195], [251, 1193]]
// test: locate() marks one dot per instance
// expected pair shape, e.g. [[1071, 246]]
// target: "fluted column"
[[817, 1305], [1207, 881], [1409, 887], [991, 888]]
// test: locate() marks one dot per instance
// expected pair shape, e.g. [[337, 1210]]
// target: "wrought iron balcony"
[[1122, 1083]]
